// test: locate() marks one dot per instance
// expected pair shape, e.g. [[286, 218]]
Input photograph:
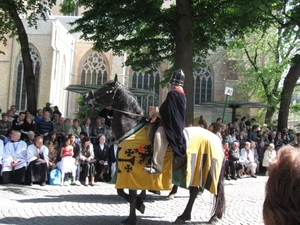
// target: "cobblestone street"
[[55, 205]]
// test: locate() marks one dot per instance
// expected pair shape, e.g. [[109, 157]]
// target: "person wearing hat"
[[172, 114]]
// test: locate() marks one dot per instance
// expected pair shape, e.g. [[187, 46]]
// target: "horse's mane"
[[126, 100]]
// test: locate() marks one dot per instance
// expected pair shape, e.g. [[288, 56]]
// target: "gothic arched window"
[[21, 96], [149, 82], [202, 81], [94, 70]]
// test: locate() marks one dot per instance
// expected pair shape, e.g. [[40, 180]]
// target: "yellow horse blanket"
[[204, 162]]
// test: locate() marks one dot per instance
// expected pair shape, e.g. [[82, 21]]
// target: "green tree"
[[152, 34], [11, 24], [272, 60]]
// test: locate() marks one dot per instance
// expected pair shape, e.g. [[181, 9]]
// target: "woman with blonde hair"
[[269, 156]]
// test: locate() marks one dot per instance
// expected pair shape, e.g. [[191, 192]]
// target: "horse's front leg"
[[173, 192], [139, 200], [131, 219], [186, 215]]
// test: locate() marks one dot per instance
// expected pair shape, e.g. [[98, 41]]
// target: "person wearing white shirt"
[[248, 159], [37, 159], [14, 160]]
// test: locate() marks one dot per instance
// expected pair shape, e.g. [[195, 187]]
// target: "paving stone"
[[55, 205]]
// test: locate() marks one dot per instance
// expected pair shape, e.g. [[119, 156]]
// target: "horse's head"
[[104, 95]]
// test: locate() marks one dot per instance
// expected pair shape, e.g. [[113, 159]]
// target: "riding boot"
[[159, 149]]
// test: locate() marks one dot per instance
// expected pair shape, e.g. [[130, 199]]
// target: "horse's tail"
[[219, 199]]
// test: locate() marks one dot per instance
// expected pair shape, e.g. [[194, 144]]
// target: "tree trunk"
[[286, 94], [184, 52], [269, 114], [27, 62]]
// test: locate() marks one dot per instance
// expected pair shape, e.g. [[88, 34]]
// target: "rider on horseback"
[[172, 113]]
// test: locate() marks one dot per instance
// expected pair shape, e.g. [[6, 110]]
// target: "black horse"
[[127, 114]]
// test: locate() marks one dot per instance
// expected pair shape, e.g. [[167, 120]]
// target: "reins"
[[118, 110]]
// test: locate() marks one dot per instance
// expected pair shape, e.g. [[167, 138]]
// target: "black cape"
[[172, 112]]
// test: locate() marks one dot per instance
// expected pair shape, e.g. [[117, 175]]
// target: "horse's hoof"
[[213, 220], [179, 221], [171, 196], [140, 205], [142, 208], [128, 221]]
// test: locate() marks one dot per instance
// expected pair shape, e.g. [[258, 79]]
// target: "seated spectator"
[[28, 126], [264, 128], [223, 132], [11, 115], [47, 108], [53, 138], [278, 140], [55, 118], [102, 129], [112, 157], [269, 156], [39, 116], [232, 137], [30, 138], [236, 159], [87, 127], [281, 205], [45, 126], [76, 156], [285, 138], [37, 160], [236, 125], [107, 113], [253, 134], [14, 160], [8, 136], [17, 122], [67, 163], [87, 161], [265, 138], [228, 163], [243, 126], [81, 136], [56, 111], [248, 160], [241, 138], [52, 156], [68, 122], [75, 129], [291, 135], [257, 156], [272, 137], [101, 154], [61, 129], [5, 125]]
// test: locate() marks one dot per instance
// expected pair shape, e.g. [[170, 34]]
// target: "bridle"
[[114, 91]]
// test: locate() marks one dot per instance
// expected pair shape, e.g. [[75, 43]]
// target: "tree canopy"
[[11, 25], [272, 60], [152, 34]]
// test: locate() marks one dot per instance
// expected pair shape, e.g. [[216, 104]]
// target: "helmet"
[[177, 78]]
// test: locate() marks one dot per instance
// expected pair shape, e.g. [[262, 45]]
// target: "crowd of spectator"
[[31, 146], [248, 148]]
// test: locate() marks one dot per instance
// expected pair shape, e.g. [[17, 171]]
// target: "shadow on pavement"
[[91, 198], [79, 220]]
